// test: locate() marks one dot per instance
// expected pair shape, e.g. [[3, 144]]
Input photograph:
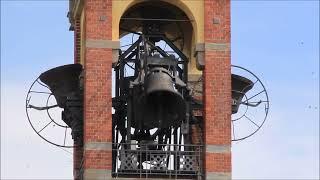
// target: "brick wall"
[[77, 151], [217, 89], [97, 92]]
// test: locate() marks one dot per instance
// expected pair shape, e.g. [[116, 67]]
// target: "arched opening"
[[152, 103], [164, 17]]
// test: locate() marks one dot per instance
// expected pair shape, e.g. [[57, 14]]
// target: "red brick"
[[97, 84], [217, 85], [98, 159], [218, 162]]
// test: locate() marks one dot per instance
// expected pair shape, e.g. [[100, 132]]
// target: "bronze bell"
[[164, 106], [240, 86], [62, 81]]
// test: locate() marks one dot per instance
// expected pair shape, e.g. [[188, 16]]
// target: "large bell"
[[63, 81], [164, 106], [240, 86]]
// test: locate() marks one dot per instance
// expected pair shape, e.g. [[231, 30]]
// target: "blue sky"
[[278, 41]]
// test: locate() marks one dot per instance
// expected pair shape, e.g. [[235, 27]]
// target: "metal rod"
[[65, 135], [123, 55], [157, 19], [117, 73], [163, 53], [252, 121], [136, 63], [254, 95], [42, 108], [115, 135], [130, 31], [45, 127], [172, 46], [130, 66], [40, 92], [42, 84]]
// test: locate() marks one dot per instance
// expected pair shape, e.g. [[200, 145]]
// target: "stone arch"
[[194, 14], [193, 9]]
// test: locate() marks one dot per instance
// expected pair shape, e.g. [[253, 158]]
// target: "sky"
[[277, 40]]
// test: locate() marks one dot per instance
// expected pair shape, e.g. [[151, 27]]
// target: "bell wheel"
[[44, 116], [250, 104]]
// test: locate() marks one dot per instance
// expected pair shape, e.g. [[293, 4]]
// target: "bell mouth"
[[62, 81], [240, 86], [164, 109]]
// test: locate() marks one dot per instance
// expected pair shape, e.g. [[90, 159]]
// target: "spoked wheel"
[[44, 116], [253, 107]]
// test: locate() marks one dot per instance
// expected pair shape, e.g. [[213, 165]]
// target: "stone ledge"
[[98, 146], [96, 174], [94, 43], [217, 46], [218, 176], [218, 148]]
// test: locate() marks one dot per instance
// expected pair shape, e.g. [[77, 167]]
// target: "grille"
[[160, 160]]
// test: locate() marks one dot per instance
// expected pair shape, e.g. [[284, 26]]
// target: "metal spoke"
[[65, 150], [42, 108], [45, 127], [254, 95], [65, 135], [42, 84], [254, 102], [252, 121], [255, 82], [41, 92], [49, 115]]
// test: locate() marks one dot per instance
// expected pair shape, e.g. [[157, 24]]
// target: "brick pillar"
[[217, 90], [77, 151], [97, 92], [77, 40]]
